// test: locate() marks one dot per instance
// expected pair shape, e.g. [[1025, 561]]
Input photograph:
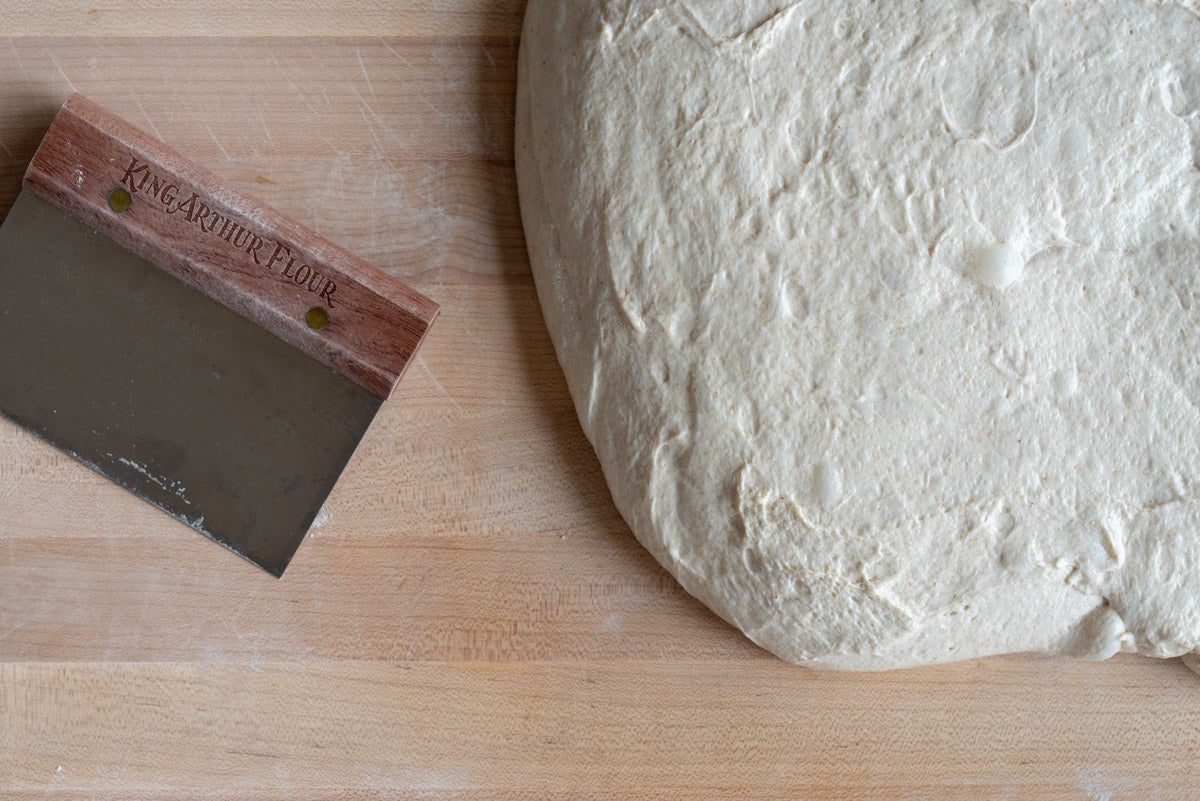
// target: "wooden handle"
[[303, 288]]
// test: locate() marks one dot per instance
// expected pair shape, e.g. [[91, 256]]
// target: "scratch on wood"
[[374, 134], [218, 143], [439, 112], [142, 109], [440, 387], [303, 97], [375, 115], [395, 53], [412, 643], [362, 66], [266, 128], [63, 73]]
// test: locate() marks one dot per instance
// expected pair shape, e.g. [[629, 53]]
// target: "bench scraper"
[[188, 342]]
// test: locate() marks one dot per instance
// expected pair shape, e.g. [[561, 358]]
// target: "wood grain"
[[471, 619], [283, 18], [400, 150], [230, 246], [639, 729]]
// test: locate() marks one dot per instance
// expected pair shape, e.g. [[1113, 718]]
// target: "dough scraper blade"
[[187, 342]]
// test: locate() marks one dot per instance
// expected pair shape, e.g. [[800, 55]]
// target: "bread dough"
[[884, 318]]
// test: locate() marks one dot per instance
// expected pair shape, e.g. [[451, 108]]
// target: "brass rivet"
[[119, 200], [317, 318]]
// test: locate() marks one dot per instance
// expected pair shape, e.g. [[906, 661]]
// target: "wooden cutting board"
[[471, 619]]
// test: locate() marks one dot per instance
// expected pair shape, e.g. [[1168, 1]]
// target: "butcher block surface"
[[470, 618]]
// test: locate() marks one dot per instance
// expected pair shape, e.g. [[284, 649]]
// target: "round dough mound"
[[883, 317]]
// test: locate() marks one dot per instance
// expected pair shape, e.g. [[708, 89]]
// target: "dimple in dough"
[[884, 318]]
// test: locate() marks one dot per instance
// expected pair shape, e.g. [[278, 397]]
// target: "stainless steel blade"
[[165, 391]]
